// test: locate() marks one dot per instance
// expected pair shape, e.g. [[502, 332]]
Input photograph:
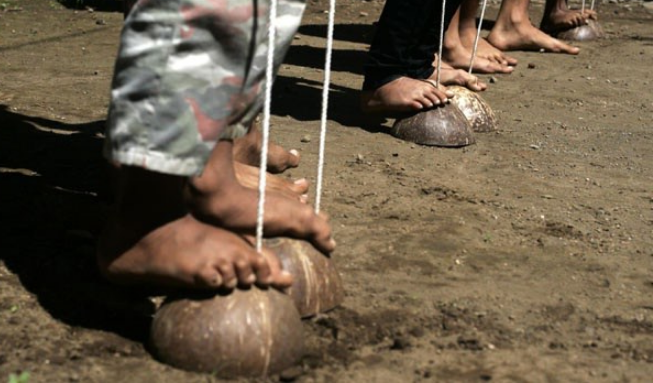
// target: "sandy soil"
[[525, 257]]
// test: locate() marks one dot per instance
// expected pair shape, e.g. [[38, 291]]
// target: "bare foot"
[[487, 50], [452, 76], [216, 197], [247, 150], [248, 176], [524, 36], [188, 254], [458, 55], [403, 95], [150, 240], [559, 20]]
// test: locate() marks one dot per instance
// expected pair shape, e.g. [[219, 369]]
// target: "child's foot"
[[216, 197], [403, 95], [459, 57], [151, 240], [189, 254], [247, 150], [248, 176], [452, 76], [490, 52], [524, 36], [485, 49]]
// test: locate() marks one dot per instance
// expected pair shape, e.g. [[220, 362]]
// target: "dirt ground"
[[526, 257]]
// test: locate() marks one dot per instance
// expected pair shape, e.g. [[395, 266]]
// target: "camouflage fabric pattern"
[[190, 73]]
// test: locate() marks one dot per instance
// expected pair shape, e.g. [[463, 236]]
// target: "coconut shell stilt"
[[317, 286], [591, 31], [478, 112], [444, 126], [246, 333]]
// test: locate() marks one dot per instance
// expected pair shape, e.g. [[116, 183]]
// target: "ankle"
[[146, 198], [513, 20], [451, 42]]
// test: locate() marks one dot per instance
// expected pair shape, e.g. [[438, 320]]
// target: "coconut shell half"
[[478, 112], [444, 126], [317, 286], [246, 333], [591, 31]]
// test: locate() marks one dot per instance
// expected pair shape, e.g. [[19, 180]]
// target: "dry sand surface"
[[526, 257]]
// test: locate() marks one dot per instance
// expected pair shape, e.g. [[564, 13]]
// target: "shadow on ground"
[[358, 33], [52, 209], [343, 104]]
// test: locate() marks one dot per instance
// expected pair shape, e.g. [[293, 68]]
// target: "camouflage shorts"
[[189, 73]]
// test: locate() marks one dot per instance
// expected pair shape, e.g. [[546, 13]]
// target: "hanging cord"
[[478, 36], [582, 7], [439, 68], [272, 28], [325, 104], [592, 5]]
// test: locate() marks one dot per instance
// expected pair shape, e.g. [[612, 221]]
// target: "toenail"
[[218, 280], [232, 283], [250, 279], [300, 181], [294, 152]]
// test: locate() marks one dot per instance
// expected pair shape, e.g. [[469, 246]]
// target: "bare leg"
[[513, 31], [456, 54], [558, 17], [467, 30]]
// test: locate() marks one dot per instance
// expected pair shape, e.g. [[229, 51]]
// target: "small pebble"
[[531, 66], [493, 80], [400, 343], [306, 138]]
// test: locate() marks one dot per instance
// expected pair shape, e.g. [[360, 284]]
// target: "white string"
[[325, 104], [582, 7], [478, 36], [272, 29], [592, 6], [439, 68]]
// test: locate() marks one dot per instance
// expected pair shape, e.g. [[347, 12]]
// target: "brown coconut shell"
[[478, 112], [591, 31], [247, 333], [444, 126], [317, 286]]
